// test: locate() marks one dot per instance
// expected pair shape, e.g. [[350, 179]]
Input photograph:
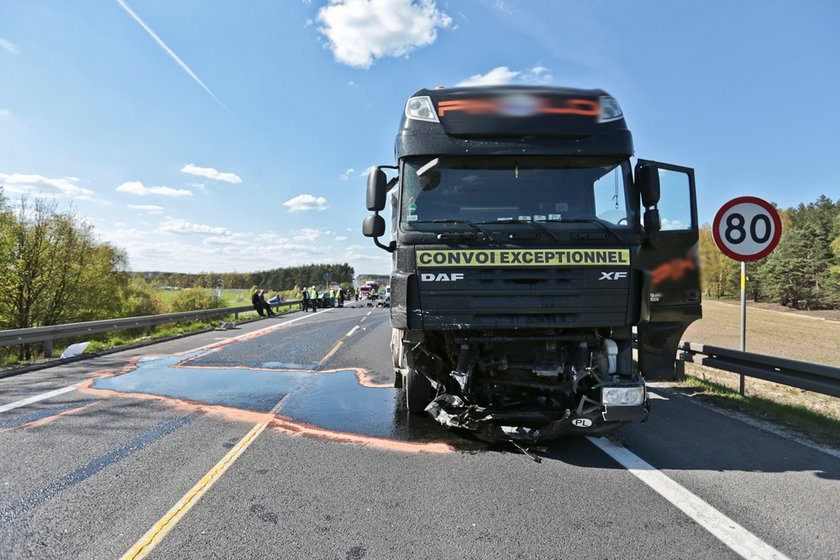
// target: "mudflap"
[[452, 411], [658, 343]]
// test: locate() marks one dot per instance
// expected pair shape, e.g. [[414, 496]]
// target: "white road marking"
[[354, 329], [36, 398], [725, 529], [657, 396]]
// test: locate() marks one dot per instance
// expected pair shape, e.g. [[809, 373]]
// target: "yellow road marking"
[[331, 352], [159, 530]]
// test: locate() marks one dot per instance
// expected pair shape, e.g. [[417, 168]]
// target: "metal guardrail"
[[802, 375], [50, 333]]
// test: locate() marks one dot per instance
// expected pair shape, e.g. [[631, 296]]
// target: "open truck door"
[[670, 260]]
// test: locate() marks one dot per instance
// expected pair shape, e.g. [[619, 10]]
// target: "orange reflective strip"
[[473, 106], [576, 107]]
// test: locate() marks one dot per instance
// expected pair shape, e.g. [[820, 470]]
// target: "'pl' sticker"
[[582, 422], [524, 218], [555, 217], [412, 218]]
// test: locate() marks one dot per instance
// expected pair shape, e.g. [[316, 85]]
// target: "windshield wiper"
[[604, 226], [539, 225], [459, 221]]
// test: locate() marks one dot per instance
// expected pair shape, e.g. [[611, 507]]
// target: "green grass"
[[810, 423], [229, 297]]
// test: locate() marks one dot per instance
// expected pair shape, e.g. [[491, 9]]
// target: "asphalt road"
[[283, 439]]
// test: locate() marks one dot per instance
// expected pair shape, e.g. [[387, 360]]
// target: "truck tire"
[[418, 391]]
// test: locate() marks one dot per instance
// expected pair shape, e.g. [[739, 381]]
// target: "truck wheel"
[[418, 391]]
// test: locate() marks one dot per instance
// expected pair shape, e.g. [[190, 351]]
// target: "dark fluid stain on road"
[[330, 400]]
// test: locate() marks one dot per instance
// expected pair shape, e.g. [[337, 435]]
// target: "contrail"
[[174, 56]]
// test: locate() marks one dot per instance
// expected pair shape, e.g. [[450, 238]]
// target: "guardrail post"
[[48, 349], [236, 316], [679, 370]]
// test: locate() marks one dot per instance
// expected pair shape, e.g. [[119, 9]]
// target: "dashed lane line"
[[159, 530], [722, 527], [329, 355], [340, 343]]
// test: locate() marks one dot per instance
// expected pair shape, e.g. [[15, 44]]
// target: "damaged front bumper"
[[534, 426]]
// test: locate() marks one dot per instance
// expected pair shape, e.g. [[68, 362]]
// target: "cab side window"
[[674, 200]]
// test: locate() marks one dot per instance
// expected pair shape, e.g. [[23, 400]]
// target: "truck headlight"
[[623, 396], [421, 109], [610, 109]]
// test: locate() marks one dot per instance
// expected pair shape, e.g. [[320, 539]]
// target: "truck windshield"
[[515, 189]]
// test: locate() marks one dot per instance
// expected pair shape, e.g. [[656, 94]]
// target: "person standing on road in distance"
[[304, 306], [313, 299], [255, 301], [332, 298], [341, 297]]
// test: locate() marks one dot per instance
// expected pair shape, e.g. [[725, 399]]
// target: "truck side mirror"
[[647, 181], [374, 226], [652, 221], [377, 188]]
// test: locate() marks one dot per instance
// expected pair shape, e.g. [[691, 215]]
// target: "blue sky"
[[238, 139]]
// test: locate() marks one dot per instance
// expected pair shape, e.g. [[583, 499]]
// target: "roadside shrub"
[[95, 346], [194, 299], [138, 300]]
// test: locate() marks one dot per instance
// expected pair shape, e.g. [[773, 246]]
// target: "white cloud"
[[27, 184], [360, 31], [306, 202], [210, 173], [150, 208], [497, 76], [178, 226], [353, 174], [136, 187], [5, 113], [502, 75], [341, 238], [672, 224], [7, 45], [306, 234]]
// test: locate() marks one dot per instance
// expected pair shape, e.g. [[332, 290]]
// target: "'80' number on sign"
[[735, 232], [747, 228]]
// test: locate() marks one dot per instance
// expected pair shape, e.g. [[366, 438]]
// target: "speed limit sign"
[[747, 228]]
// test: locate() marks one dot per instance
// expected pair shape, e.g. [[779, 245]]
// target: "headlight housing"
[[610, 109], [421, 109], [623, 396]]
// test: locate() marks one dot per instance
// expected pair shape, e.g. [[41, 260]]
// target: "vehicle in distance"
[[527, 249]]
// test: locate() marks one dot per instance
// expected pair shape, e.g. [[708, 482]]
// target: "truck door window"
[[674, 200]]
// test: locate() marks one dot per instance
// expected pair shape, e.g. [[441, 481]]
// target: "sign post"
[[746, 229]]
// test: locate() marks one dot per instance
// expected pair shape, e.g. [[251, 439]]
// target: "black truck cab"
[[526, 250]]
